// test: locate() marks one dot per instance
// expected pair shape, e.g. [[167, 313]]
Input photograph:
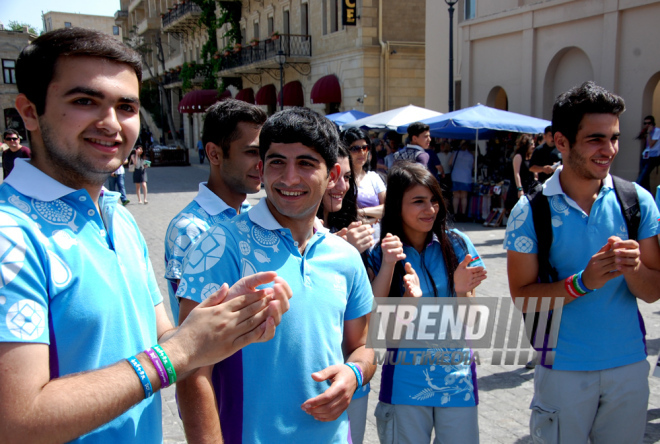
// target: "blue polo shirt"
[[411, 382], [603, 329], [260, 389], [186, 228], [81, 282]]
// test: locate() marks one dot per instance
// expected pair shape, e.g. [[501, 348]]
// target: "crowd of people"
[[271, 303]]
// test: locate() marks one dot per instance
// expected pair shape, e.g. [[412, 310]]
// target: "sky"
[[29, 11]]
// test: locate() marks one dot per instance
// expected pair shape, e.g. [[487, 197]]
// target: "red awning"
[[326, 90], [199, 100], [293, 94], [267, 95], [246, 95]]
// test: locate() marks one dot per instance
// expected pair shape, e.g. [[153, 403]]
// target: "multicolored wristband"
[[171, 373], [162, 373], [144, 379], [575, 286], [358, 373]]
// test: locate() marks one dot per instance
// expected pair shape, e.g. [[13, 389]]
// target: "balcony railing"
[[293, 46], [183, 15], [171, 77], [121, 15]]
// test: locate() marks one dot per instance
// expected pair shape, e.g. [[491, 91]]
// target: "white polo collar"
[[260, 214], [552, 186], [32, 182]]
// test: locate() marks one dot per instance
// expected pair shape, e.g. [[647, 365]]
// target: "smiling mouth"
[[337, 196], [291, 193], [103, 142], [603, 162]]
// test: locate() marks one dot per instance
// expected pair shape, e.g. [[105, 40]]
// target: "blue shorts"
[[462, 186]]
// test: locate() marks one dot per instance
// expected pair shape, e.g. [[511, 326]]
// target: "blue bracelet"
[[144, 379], [581, 283], [358, 373]]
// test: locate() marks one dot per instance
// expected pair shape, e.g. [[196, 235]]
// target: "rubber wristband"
[[358, 374], [144, 379], [581, 282], [171, 373], [576, 286], [568, 284], [162, 373], [519, 189]]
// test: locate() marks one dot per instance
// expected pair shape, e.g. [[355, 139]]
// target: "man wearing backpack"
[[593, 384], [419, 139]]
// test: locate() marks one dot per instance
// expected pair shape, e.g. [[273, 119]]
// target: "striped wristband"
[[162, 373], [144, 379], [171, 373], [568, 285], [358, 373]]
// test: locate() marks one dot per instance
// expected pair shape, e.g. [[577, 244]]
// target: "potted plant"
[[254, 42], [226, 53], [275, 35], [237, 47]]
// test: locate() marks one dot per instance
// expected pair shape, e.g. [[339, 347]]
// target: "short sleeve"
[[648, 225], [211, 262], [182, 233], [520, 235], [378, 184], [23, 282], [360, 297], [461, 252], [374, 259]]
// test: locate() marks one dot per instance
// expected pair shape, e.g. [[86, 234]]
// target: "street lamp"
[[451, 4], [281, 59]]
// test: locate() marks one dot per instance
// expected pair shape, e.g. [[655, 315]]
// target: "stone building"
[[59, 20], [11, 45], [376, 65], [520, 54]]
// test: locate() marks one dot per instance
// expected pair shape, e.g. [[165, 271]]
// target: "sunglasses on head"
[[358, 148], [11, 138]]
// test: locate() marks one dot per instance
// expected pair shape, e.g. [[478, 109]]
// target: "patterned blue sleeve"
[[520, 235], [649, 225], [23, 281], [461, 253], [211, 262], [184, 230]]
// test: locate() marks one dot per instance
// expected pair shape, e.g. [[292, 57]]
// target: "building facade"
[[59, 20], [520, 54], [11, 45]]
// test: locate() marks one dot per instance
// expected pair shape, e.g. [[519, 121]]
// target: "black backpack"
[[626, 195]]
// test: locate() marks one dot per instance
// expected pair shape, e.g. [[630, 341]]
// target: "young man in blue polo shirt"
[[231, 138], [296, 389], [597, 385], [79, 304]]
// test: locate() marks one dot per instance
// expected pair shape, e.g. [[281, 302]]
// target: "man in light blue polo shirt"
[[231, 138], [78, 295], [596, 388], [296, 389]]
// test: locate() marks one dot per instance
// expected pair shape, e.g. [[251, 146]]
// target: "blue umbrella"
[[347, 116], [480, 122]]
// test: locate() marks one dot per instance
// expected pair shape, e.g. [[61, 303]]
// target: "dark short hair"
[[548, 129], [651, 118], [36, 64], [222, 119], [10, 131], [350, 135], [301, 125], [588, 98], [417, 128]]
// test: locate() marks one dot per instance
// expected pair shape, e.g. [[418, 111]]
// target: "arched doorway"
[[568, 68], [498, 99]]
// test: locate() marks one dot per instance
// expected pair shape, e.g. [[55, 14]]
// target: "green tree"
[[16, 26]]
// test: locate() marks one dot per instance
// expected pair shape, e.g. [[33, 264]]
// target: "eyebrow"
[[98, 94], [301, 157], [601, 136]]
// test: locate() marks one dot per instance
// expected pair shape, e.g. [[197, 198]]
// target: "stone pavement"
[[504, 391]]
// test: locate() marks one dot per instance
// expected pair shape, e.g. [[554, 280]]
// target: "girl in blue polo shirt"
[[417, 397]]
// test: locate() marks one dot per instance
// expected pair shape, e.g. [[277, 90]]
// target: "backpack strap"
[[542, 218], [626, 194]]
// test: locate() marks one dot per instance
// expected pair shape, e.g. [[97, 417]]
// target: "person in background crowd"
[[298, 386], [416, 400], [14, 151], [523, 178], [201, 151], [371, 188], [140, 173], [546, 158], [593, 384], [419, 139], [116, 182], [231, 137], [651, 154], [85, 341], [461, 176]]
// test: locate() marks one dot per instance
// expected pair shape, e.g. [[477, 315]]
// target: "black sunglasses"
[[11, 138]]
